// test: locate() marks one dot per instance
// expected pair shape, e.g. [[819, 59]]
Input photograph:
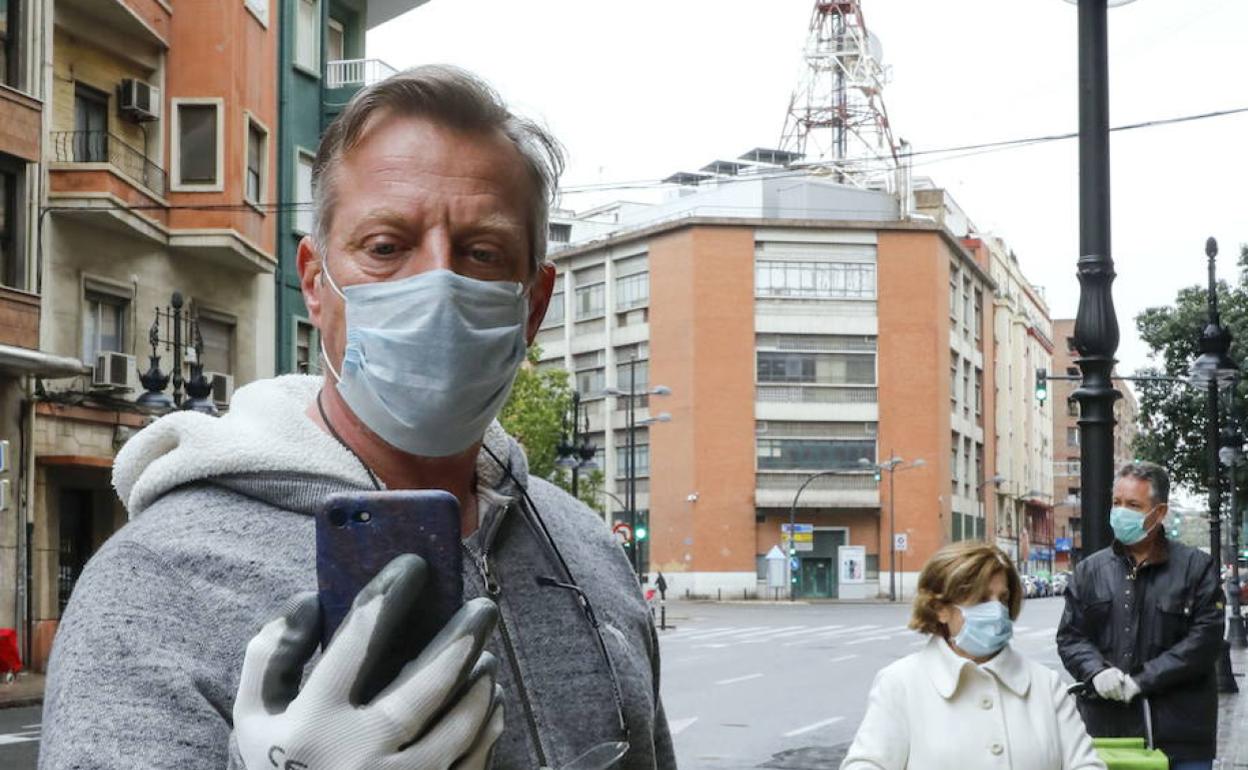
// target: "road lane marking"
[[850, 631], [841, 659], [694, 632], [815, 726], [723, 632], [736, 679], [868, 639], [678, 726], [765, 632]]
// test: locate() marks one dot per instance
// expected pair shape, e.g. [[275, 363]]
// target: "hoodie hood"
[[267, 431]]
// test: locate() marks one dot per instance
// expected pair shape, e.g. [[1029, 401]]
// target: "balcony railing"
[[356, 72], [849, 481], [798, 394], [103, 147]]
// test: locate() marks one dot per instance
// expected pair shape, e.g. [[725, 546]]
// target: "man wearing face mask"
[[1144, 618], [191, 637]]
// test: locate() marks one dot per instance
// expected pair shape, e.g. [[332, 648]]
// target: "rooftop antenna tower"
[[836, 117]]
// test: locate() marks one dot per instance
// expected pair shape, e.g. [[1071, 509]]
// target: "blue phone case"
[[358, 534]]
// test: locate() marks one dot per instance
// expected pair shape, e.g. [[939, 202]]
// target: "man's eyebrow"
[[384, 216], [497, 221]]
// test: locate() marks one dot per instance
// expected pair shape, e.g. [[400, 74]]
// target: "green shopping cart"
[[1127, 753]]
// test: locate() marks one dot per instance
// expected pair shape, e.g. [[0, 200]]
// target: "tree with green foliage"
[[536, 415], [1173, 423]]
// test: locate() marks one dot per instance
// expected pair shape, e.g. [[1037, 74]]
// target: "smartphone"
[[359, 533]]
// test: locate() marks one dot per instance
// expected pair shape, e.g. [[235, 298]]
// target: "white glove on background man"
[[1130, 689], [1109, 684], [447, 696]]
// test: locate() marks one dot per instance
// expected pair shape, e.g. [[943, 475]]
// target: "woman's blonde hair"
[[960, 573]]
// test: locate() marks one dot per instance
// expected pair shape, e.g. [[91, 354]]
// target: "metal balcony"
[[357, 73], [103, 147]]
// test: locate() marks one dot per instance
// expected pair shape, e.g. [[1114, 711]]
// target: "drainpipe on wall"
[[25, 497]]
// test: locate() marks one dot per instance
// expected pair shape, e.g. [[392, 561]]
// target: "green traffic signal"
[[1042, 385], [641, 533]]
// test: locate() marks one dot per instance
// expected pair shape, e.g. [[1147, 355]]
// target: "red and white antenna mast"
[[836, 116]]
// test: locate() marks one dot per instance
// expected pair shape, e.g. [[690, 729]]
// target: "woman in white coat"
[[968, 700]]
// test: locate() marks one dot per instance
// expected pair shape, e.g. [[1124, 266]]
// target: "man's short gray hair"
[[454, 98], [1156, 476]]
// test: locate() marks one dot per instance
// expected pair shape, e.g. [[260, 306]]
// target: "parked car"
[[1029, 586], [1060, 580]]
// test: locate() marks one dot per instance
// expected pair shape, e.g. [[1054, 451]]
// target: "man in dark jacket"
[[1144, 618]]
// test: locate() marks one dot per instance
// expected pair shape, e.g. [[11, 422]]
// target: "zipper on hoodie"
[[495, 590]]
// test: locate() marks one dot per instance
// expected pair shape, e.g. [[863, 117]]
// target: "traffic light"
[[1042, 385], [878, 475], [642, 532], [643, 528]]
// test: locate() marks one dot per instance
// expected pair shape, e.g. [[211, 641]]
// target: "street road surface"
[[780, 686], [745, 685]]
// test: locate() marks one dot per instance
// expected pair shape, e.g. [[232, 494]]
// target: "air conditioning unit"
[[139, 101], [222, 387], [115, 370]]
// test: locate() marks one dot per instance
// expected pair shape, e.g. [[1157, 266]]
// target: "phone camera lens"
[[338, 518], [363, 517]]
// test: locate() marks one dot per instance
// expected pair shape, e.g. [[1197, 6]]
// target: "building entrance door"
[[818, 578], [75, 519]]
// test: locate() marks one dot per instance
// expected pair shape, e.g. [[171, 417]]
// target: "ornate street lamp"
[[177, 327], [1232, 455], [1096, 324], [576, 452], [1213, 369]]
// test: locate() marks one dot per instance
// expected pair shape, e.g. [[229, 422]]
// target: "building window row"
[[814, 280], [632, 291], [791, 454], [816, 368]]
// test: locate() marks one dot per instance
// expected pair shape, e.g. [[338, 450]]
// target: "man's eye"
[[484, 255], [383, 249]]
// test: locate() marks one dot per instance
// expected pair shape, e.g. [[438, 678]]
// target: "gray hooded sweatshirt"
[[147, 657]]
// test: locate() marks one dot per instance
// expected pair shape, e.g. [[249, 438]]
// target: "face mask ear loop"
[[328, 365], [333, 285]]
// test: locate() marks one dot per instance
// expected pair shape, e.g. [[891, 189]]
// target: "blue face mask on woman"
[[430, 359], [1128, 525], [986, 629]]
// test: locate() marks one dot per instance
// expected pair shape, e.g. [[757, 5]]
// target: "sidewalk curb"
[[22, 702]]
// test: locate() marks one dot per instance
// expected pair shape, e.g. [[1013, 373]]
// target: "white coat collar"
[[944, 667]]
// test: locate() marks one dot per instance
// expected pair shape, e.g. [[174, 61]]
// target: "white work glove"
[[446, 696], [1130, 689], [1110, 684]]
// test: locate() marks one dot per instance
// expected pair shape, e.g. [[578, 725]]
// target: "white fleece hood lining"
[[266, 430]]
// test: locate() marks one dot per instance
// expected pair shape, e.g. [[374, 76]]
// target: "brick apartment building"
[[802, 327], [1066, 457]]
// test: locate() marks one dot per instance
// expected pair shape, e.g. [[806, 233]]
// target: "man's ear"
[[311, 271], [539, 299], [1158, 516]]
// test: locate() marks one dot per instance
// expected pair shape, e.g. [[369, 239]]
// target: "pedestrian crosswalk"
[[27, 734], [834, 635]]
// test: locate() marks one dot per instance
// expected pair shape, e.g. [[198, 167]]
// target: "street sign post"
[[802, 538], [623, 532], [901, 542]]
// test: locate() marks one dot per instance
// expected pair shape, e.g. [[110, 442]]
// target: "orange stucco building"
[[159, 160]]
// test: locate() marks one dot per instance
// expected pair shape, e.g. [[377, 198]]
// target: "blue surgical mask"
[[430, 359], [986, 628], [1128, 525]]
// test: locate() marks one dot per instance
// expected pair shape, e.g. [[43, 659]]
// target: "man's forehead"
[[1130, 486]]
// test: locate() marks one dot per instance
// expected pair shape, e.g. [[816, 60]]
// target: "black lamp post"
[[576, 453], [1232, 456], [1213, 369], [890, 466], [1096, 324], [178, 327], [631, 395]]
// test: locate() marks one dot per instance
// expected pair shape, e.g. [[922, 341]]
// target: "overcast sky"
[[638, 90]]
